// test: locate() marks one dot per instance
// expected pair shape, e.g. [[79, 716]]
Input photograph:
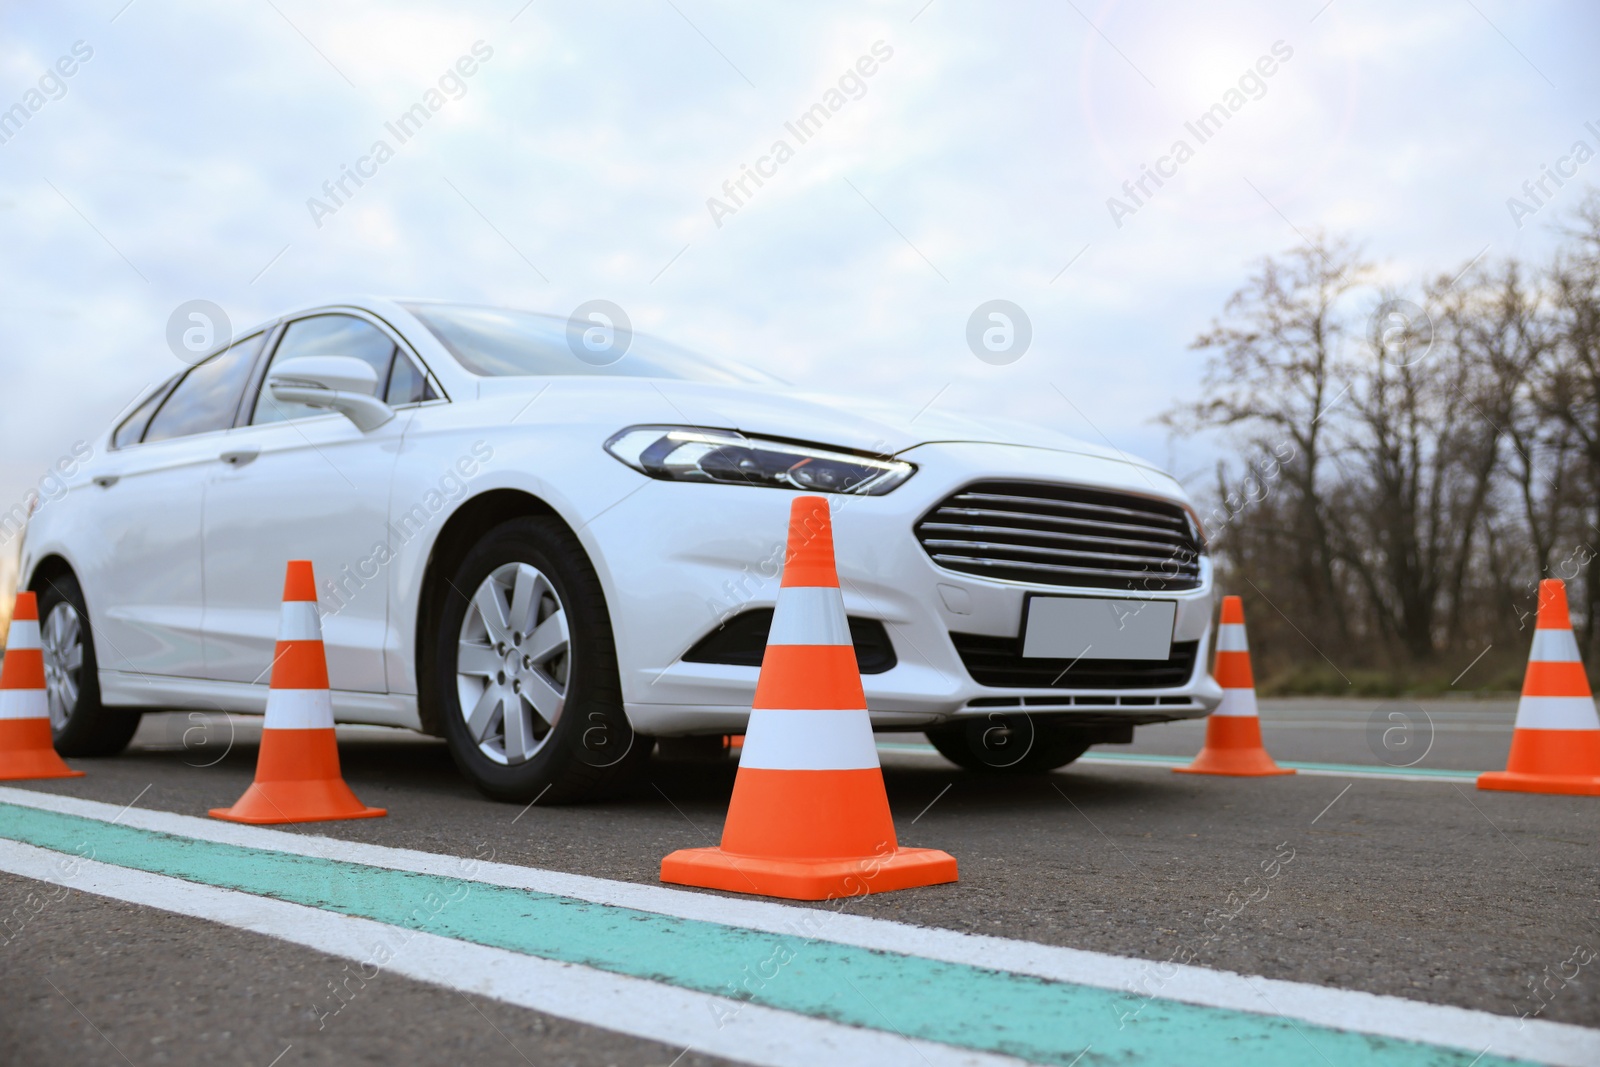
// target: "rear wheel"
[[1010, 744], [524, 670], [79, 723]]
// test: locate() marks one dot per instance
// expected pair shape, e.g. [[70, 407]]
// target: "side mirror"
[[343, 383]]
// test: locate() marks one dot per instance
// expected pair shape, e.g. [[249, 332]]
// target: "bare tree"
[[1276, 365], [1432, 431], [1423, 476], [1571, 389]]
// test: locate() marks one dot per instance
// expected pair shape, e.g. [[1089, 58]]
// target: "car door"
[[148, 504], [306, 483]]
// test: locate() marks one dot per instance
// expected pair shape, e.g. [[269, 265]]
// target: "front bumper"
[[676, 566]]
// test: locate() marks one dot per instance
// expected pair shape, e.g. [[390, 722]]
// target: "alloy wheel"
[[61, 638], [513, 662]]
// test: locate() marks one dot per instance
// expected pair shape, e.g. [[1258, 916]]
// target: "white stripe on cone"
[[299, 622], [1557, 713], [1230, 638], [809, 615], [1238, 704], [23, 704], [795, 740], [299, 709], [1554, 646], [24, 634]]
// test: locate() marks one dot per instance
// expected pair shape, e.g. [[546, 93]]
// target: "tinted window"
[[132, 428], [323, 335], [208, 397], [407, 384], [498, 342]]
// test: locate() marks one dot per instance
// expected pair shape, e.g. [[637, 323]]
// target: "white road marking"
[[747, 1033], [1397, 1017]]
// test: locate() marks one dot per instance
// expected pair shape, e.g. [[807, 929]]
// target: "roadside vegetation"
[[1407, 463]]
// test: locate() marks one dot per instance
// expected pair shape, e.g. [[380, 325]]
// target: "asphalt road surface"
[[1377, 868]]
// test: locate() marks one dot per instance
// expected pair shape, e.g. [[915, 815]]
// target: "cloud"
[[987, 148]]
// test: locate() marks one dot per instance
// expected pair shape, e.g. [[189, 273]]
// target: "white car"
[[556, 545]]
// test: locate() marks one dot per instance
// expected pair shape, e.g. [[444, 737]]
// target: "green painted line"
[[1334, 768], [1341, 768], [970, 1007]]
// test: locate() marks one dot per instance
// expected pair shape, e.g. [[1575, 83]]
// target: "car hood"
[[777, 411]]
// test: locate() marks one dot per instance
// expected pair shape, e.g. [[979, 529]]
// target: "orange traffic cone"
[[25, 747], [1233, 733], [809, 819], [1556, 745], [297, 773]]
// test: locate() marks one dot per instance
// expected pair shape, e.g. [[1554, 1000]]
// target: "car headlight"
[[724, 457]]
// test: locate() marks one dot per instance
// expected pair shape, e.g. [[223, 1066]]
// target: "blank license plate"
[[1073, 627]]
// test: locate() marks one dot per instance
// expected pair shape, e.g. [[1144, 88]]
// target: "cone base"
[[1239, 763], [1576, 785], [290, 801], [20, 766], [1233, 747], [26, 752], [297, 780], [712, 868]]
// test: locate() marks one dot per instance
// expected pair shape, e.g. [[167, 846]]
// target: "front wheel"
[[1009, 743], [79, 724], [524, 669]]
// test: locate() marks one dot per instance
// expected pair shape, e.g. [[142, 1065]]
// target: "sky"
[[585, 157]]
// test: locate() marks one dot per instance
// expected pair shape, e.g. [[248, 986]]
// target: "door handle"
[[240, 457], [106, 481]]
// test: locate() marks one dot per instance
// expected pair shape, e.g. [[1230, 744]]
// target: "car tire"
[[479, 662], [1009, 743], [79, 724]]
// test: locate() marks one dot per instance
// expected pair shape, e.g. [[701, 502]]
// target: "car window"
[[499, 342], [132, 429], [323, 335], [208, 397], [407, 384]]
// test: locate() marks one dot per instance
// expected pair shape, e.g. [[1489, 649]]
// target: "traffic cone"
[[809, 818], [25, 747], [1233, 733], [297, 773], [1556, 745]]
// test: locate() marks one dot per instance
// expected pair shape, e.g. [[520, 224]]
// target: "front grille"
[[1063, 535], [998, 662]]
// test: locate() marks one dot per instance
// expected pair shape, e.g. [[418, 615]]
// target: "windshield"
[[502, 343]]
